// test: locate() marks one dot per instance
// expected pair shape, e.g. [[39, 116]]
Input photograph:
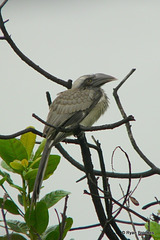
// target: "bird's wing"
[[70, 108]]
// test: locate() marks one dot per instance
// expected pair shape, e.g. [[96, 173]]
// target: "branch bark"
[[28, 61], [92, 183]]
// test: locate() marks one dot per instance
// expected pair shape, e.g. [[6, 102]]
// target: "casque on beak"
[[100, 79]]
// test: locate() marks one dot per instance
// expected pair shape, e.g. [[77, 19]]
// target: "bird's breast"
[[97, 111]]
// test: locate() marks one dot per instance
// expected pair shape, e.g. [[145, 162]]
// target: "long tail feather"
[[41, 171]]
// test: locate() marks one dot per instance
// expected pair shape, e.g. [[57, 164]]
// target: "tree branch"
[[107, 195], [92, 183], [2, 4], [98, 225], [151, 204], [128, 126], [24, 58], [107, 174], [86, 129], [20, 133]]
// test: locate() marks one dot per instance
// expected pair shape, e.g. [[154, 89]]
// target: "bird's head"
[[92, 80]]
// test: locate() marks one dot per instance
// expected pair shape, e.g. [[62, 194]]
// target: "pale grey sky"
[[70, 39]]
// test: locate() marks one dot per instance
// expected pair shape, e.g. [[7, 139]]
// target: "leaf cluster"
[[19, 158]]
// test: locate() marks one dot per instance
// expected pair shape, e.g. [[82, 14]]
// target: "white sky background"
[[70, 39]]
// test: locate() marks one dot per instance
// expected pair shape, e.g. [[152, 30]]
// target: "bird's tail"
[[41, 171]]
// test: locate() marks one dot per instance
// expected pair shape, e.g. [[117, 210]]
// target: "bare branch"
[[80, 166], [107, 193], [125, 79], [126, 208], [108, 174], [20, 133], [49, 100], [2, 38], [62, 225], [107, 126], [3, 3], [128, 126], [92, 183], [4, 216], [98, 225], [28, 61], [86, 129], [150, 204], [6, 193]]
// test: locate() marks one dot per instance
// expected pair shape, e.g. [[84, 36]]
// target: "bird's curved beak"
[[100, 79]]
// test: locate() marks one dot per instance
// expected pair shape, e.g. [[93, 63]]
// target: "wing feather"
[[70, 107]]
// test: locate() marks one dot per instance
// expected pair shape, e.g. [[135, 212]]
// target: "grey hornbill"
[[83, 104]]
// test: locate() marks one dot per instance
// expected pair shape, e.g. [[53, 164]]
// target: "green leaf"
[[13, 236], [3, 180], [53, 232], [69, 222], [42, 217], [17, 187], [30, 217], [6, 166], [12, 149], [28, 141], [17, 165], [20, 199], [154, 229], [40, 149], [4, 174], [52, 165], [31, 174], [35, 163], [53, 197], [38, 218], [9, 180], [18, 226], [31, 185], [10, 206]]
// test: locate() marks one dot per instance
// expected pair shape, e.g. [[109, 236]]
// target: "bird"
[[83, 104]]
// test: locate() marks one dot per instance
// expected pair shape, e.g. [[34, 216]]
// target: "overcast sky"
[[72, 38]]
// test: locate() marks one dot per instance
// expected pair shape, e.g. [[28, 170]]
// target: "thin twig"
[[107, 174], [107, 126], [59, 222], [128, 126], [44, 122], [107, 193], [20, 133], [62, 226], [86, 129], [98, 225], [20, 211], [92, 183], [126, 195], [130, 216], [3, 3], [28, 61], [119, 204], [150, 205], [4, 216], [49, 100], [129, 181], [125, 79]]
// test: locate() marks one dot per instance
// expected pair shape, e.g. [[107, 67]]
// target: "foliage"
[[153, 229], [19, 158]]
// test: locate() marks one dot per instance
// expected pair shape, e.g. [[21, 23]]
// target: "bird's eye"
[[89, 80]]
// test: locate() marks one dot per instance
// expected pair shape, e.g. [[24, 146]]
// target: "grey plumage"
[[83, 104]]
